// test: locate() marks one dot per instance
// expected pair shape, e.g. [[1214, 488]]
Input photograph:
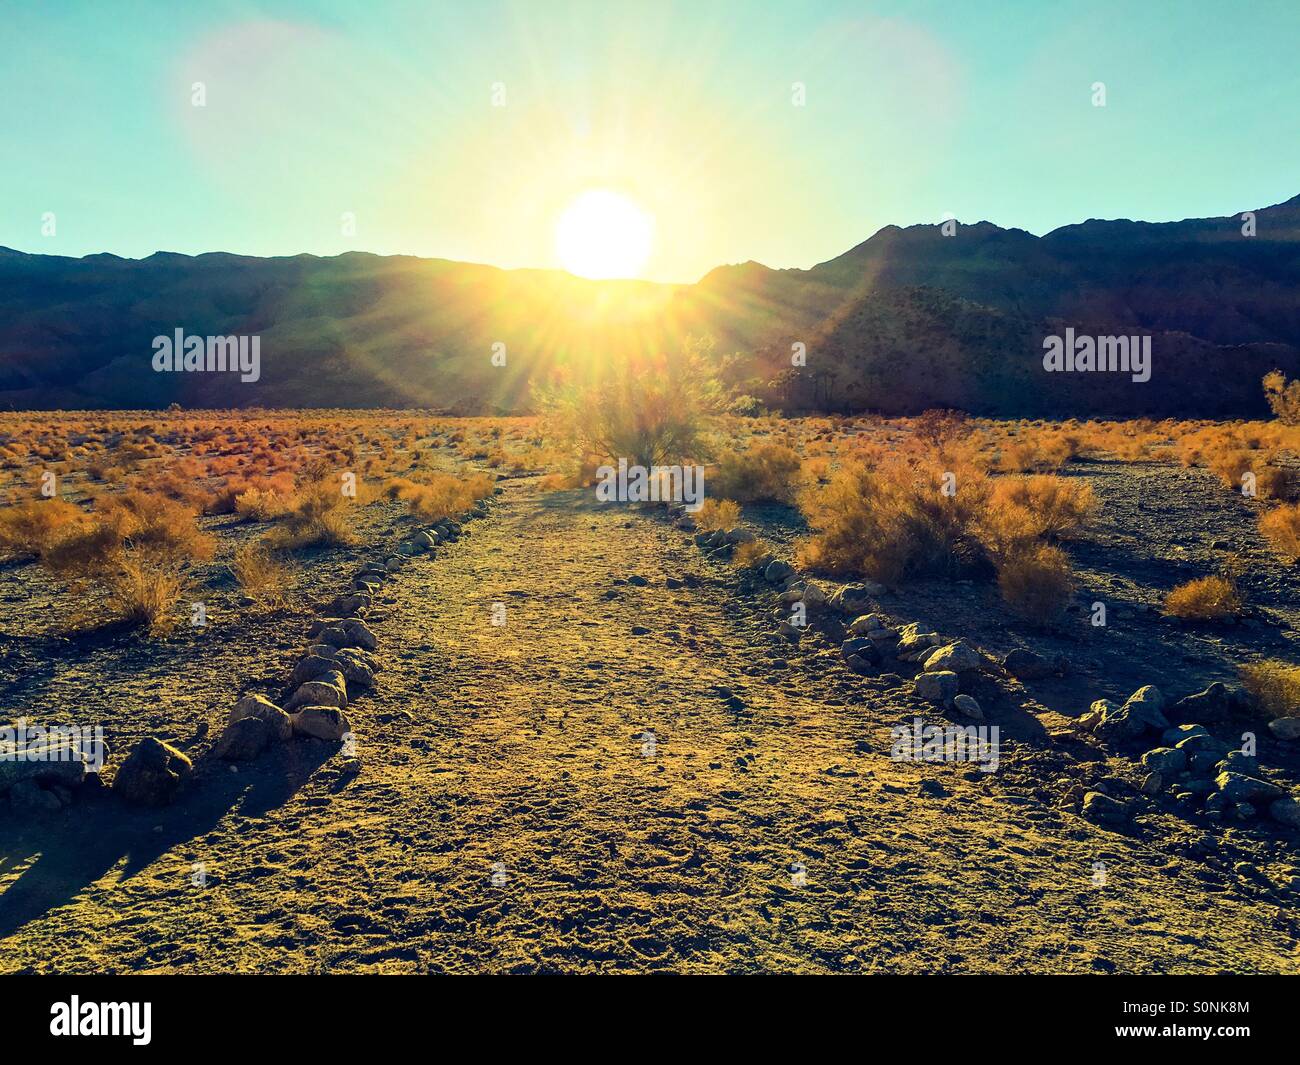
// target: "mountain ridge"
[[911, 317]]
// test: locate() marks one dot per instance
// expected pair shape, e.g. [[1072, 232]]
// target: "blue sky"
[[385, 111]]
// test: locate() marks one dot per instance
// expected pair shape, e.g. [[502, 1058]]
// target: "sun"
[[602, 234]]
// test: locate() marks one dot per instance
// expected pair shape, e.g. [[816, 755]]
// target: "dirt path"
[[524, 744]]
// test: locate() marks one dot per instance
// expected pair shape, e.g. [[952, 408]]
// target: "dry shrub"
[[1281, 528], [1275, 686], [316, 517], [261, 504], [816, 470], [1039, 507], [889, 517], [30, 528], [130, 557], [764, 473], [1229, 466], [1042, 452], [893, 518], [263, 577], [225, 500], [1283, 397], [1036, 582], [136, 522], [440, 495], [1205, 599], [556, 482], [749, 554], [651, 410], [717, 514], [1271, 480], [144, 591], [939, 427]]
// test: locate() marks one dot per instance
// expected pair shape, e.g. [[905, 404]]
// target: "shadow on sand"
[[66, 852]]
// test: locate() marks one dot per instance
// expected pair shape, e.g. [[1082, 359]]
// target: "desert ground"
[[594, 741]]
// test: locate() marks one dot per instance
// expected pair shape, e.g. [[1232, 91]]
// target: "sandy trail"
[[507, 817]]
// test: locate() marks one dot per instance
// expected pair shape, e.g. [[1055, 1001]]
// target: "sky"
[[785, 132]]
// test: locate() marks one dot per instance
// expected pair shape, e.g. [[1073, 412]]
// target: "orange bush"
[[717, 514], [1281, 528], [32, 527], [891, 516], [1205, 599], [441, 495], [1039, 506], [1036, 582], [766, 472]]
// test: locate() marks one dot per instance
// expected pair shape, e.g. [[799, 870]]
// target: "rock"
[[357, 668], [958, 657], [738, 535], [1152, 784], [328, 690], [937, 687], [28, 795], [152, 773], [869, 623], [793, 633], [277, 722], [860, 647], [335, 636], [360, 635], [1212, 704], [861, 665], [243, 740], [1167, 760], [917, 644], [311, 667], [322, 722], [1205, 745], [1102, 809], [1024, 664], [1285, 811], [350, 605], [1172, 736], [638, 580], [1285, 728], [967, 706], [1239, 762], [53, 759], [855, 598], [317, 628], [1140, 713], [813, 594], [777, 571], [1096, 713], [1237, 787]]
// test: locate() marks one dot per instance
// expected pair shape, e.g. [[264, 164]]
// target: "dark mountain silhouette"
[[909, 319]]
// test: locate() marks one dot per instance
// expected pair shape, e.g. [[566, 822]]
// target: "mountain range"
[[911, 318]]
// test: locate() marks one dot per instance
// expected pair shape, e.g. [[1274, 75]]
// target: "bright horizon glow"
[[604, 235]]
